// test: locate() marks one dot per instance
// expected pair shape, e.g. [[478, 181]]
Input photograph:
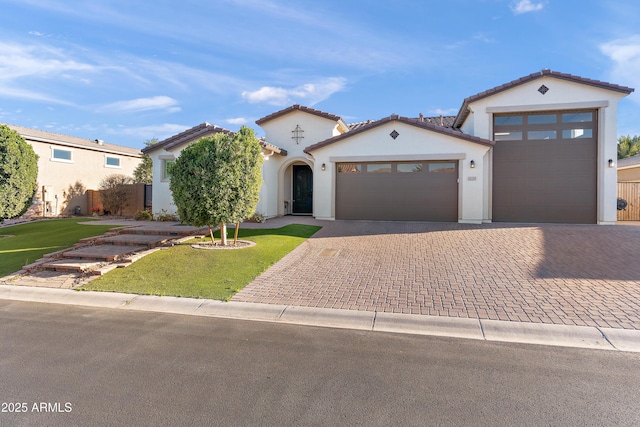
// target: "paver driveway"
[[563, 274]]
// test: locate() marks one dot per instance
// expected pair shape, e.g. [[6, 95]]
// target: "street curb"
[[479, 329], [539, 333], [429, 325]]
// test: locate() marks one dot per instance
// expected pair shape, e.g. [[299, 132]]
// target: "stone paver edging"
[[480, 329]]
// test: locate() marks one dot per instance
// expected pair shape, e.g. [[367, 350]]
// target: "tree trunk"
[[223, 233], [211, 234], [235, 235]]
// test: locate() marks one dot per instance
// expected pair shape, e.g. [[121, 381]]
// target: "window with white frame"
[[111, 162], [61, 155], [165, 168]]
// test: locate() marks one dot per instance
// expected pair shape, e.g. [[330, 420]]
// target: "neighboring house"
[[538, 149], [66, 161], [629, 169]]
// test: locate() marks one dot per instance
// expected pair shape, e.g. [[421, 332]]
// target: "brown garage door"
[[544, 167], [397, 191]]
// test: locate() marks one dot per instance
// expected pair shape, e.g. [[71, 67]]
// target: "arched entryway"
[[295, 193]]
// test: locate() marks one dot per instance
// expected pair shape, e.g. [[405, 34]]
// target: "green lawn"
[[213, 274], [24, 243]]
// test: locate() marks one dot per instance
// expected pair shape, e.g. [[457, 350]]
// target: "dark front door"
[[302, 189]]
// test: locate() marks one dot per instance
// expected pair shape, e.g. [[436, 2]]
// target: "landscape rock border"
[[241, 244]]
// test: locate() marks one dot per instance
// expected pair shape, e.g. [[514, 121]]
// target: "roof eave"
[[301, 108], [464, 111], [411, 122]]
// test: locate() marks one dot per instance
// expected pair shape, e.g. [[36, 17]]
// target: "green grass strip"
[[23, 244], [212, 274]]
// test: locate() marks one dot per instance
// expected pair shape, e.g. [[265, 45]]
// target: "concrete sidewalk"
[[478, 329]]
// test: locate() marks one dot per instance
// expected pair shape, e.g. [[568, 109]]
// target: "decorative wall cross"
[[297, 134]]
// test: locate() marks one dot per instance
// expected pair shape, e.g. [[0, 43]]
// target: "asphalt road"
[[65, 366]]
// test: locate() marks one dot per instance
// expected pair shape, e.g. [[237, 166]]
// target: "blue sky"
[[127, 71]]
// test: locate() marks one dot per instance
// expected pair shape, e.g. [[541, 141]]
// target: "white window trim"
[[54, 159], [107, 165], [163, 168]]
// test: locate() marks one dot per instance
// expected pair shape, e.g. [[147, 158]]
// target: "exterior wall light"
[[472, 164], [611, 164], [324, 167]]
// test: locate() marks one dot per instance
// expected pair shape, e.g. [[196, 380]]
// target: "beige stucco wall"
[[562, 95], [631, 174], [88, 167]]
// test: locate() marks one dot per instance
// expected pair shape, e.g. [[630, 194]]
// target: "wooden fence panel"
[[629, 191], [135, 200]]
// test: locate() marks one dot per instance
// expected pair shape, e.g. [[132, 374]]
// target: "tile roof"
[[444, 121], [413, 122], [298, 107], [194, 133], [72, 141], [464, 109], [629, 162], [200, 131], [354, 126]]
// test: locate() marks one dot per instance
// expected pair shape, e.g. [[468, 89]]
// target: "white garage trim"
[[398, 157]]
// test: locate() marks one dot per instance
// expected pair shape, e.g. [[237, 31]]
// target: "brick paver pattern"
[[562, 274]]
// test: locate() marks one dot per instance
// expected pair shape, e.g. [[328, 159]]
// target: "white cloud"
[[525, 6], [237, 121], [10, 91], [143, 104], [309, 93], [25, 67], [483, 38], [18, 61], [625, 55], [160, 131]]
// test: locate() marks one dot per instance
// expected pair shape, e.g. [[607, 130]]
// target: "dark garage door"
[[397, 191], [544, 167]]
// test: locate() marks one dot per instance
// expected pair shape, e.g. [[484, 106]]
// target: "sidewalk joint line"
[[282, 312], [606, 338], [484, 337]]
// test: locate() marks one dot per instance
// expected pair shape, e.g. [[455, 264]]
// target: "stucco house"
[[541, 148], [629, 169], [65, 160]]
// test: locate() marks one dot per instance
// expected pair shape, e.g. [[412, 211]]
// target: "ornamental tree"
[[217, 180], [143, 173], [114, 192], [18, 174]]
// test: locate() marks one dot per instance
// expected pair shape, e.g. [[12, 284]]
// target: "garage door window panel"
[[379, 168], [442, 167], [349, 168], [409, 167], [582, 117], [541, 134], [508, 120], [508, 136], [577, 133], [541, 119]]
